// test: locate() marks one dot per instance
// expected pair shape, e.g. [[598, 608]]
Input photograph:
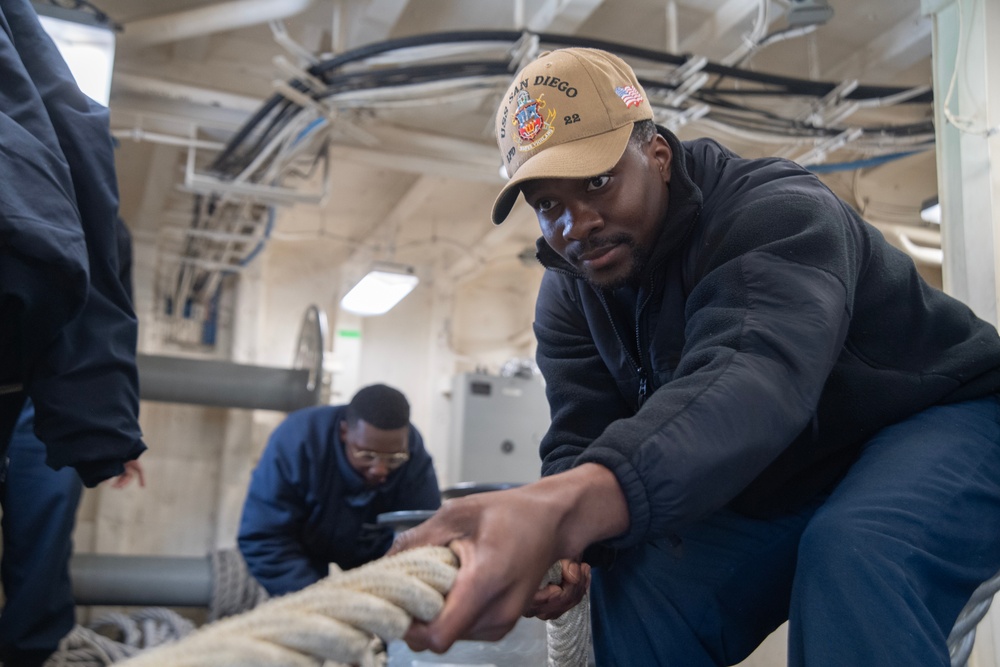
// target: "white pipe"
[[139, 134], [207, 20], [519, 21], [673, 43], [144, 85]]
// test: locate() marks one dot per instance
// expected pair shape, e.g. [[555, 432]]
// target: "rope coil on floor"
[[117, 636], [334, 619]]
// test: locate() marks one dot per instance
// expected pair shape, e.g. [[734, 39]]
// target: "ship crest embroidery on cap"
[[630, 96], [532, 129]]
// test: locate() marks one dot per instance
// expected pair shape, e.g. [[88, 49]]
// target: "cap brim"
[[582, 158]]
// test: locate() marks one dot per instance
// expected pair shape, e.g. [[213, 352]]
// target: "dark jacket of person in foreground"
[[773, 333], [67, 328]]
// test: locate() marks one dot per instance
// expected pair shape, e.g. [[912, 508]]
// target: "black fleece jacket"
[[772, 333]]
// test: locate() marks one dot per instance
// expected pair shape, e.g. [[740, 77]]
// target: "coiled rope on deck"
[[116, 636], [334, 619]]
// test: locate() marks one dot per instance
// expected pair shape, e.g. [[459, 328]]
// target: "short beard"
[[639, 258]]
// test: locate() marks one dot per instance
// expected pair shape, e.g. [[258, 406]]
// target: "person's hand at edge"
[[133, 470], [505, 541]]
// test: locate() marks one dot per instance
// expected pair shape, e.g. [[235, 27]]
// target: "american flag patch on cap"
[[630, 96]]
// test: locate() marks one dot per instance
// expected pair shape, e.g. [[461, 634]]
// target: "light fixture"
[[383, 287], [85, 43], [930, 211]]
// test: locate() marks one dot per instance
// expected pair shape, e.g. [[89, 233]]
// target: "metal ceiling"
[[371, 159]]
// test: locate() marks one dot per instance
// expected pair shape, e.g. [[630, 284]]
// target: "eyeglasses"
[[367, 457]]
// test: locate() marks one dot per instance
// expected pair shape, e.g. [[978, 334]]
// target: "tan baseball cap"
[[567, 114]]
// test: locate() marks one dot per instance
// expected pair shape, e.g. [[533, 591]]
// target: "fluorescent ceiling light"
[[87, 46], [381, 289], [930, 211]]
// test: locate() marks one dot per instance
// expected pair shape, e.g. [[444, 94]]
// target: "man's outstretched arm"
[[505, 542]]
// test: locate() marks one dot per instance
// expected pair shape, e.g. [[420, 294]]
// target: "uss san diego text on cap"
[[567, 114]]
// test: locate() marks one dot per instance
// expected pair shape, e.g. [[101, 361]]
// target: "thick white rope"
[[963, 633], [348, 601], [335, 619], [234, 589], [347, 618], [569, 635]]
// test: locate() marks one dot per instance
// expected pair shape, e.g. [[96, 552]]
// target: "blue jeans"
[[39, 512], [873, 574]]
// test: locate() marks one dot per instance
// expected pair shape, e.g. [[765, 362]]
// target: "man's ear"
[[662, 154]]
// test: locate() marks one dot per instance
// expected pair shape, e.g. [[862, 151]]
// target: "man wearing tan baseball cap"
[[760, 411], [571, 125]]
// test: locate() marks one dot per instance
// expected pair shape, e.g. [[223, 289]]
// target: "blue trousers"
[[39, 512], [873, 574]]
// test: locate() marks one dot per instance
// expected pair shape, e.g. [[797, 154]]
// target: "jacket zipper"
[[643, 378], [643, 387], [637, 364]]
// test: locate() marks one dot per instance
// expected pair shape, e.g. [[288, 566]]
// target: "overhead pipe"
[[164, 581], [210, 19], [226, 384], [223, 384], [145, 85]]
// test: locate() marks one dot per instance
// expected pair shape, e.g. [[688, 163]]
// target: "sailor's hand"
[[504, 549], [505, 542], [554, 600]]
